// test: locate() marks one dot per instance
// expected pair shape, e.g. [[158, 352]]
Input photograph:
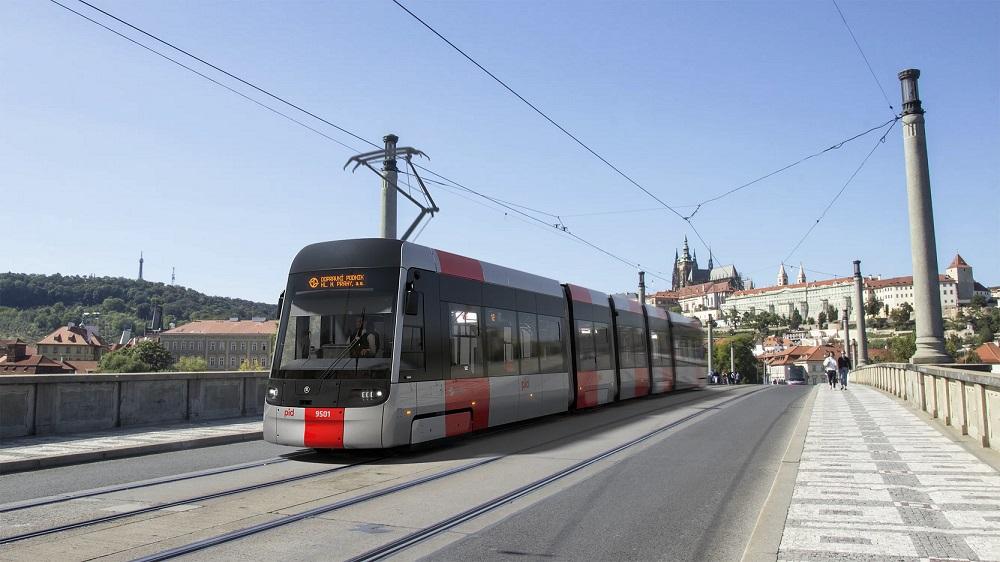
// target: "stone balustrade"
[[967, 400], [61, 404]]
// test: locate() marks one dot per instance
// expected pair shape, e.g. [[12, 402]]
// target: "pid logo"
[[313, 282]]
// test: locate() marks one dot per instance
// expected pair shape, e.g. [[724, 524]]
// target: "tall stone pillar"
[[923, 246], [860, 355]]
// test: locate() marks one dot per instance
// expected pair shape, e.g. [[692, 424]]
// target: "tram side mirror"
[[281, 301], [412, 302]]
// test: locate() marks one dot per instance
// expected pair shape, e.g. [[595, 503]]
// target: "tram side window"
[[501, 342], [586, 354], [527, 327], [550, 345], [602, 345], [661, 348], [463, 330], [639, 349], [412, 357], [625, 357]]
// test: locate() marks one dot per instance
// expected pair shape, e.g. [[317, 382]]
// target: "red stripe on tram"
[[324, 428], [460, 266], [586, 389], [467, 394]]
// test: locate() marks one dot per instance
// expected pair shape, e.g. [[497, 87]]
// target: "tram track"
[[175, 503], [398, 545], [61, 498], [437, 528], [277, 460]]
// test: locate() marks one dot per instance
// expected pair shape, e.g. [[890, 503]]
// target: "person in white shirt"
[[830, 366]]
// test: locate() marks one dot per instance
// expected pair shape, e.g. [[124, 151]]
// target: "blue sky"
[[108, 150]]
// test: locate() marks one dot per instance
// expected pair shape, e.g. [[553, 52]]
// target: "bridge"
[[902, 465]]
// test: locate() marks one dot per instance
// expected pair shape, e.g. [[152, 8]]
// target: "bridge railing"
[[966, 400], [61, 404]]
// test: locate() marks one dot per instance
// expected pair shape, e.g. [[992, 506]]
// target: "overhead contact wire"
[[539, 111], [865, 57], [841, 192]]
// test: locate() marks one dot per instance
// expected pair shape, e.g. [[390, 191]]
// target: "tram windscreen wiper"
[[329, 370]]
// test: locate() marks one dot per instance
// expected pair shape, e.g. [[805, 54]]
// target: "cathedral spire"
[[782, 275], [801, 277]]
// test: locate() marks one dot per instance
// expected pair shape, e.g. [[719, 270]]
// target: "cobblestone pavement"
[[877, 483], [40, 448]]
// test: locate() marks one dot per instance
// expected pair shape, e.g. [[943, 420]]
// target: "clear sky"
[[107, 150]]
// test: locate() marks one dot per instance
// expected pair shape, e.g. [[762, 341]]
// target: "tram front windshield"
[[338, 333]]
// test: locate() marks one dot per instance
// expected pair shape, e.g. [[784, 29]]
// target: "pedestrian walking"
[[830, 366], [843, 367]]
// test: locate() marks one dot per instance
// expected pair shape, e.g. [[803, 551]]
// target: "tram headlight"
[[372, 394], [272, 393]]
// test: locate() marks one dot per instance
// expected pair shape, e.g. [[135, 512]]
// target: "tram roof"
[[382, 252]]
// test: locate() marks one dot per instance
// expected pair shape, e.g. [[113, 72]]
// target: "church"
[[687, 272]]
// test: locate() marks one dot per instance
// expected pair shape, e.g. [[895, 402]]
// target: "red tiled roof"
[[31, 364], [83, 366], [703, 289], [824, 283], [202, 327], [989, 352], [958, 262], [72, 335], [901, 281]]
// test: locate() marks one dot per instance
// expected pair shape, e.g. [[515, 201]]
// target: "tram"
[[383, 343]]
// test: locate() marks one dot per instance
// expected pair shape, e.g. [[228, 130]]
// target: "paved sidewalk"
[[30, 453], [877, 483]]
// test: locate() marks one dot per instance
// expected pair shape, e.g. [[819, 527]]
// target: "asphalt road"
[[692, 496], [47, 482]]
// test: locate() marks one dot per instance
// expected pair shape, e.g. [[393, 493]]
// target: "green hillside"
[[33, 305]]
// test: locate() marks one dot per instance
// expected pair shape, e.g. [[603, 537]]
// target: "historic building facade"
[[224, 344], [808, 297]]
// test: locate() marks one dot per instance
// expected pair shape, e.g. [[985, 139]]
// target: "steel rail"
[[285, 520], [26, 504], [161, 506], [240, 533], [407, 541]]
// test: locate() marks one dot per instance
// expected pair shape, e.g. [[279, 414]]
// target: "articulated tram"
[[383, 343]]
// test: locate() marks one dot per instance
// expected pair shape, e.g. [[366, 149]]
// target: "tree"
[[953, 345], [153, 354], [901, 348], [822, 319], [122, 361], [831, 313], [978, 302], [746, 363], [732, 317], [191, 364], [146, 357], [873, 307], [899, 317], [795, 320]]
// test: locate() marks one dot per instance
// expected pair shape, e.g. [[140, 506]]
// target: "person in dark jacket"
[[843, 367]]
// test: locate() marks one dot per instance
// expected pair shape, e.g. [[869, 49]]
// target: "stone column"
[[860, 356], [923, 246], [846, 319]]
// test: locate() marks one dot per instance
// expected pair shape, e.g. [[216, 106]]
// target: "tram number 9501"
[[323, 413]]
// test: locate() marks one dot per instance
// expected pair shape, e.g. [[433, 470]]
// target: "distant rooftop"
[[226, 327]]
